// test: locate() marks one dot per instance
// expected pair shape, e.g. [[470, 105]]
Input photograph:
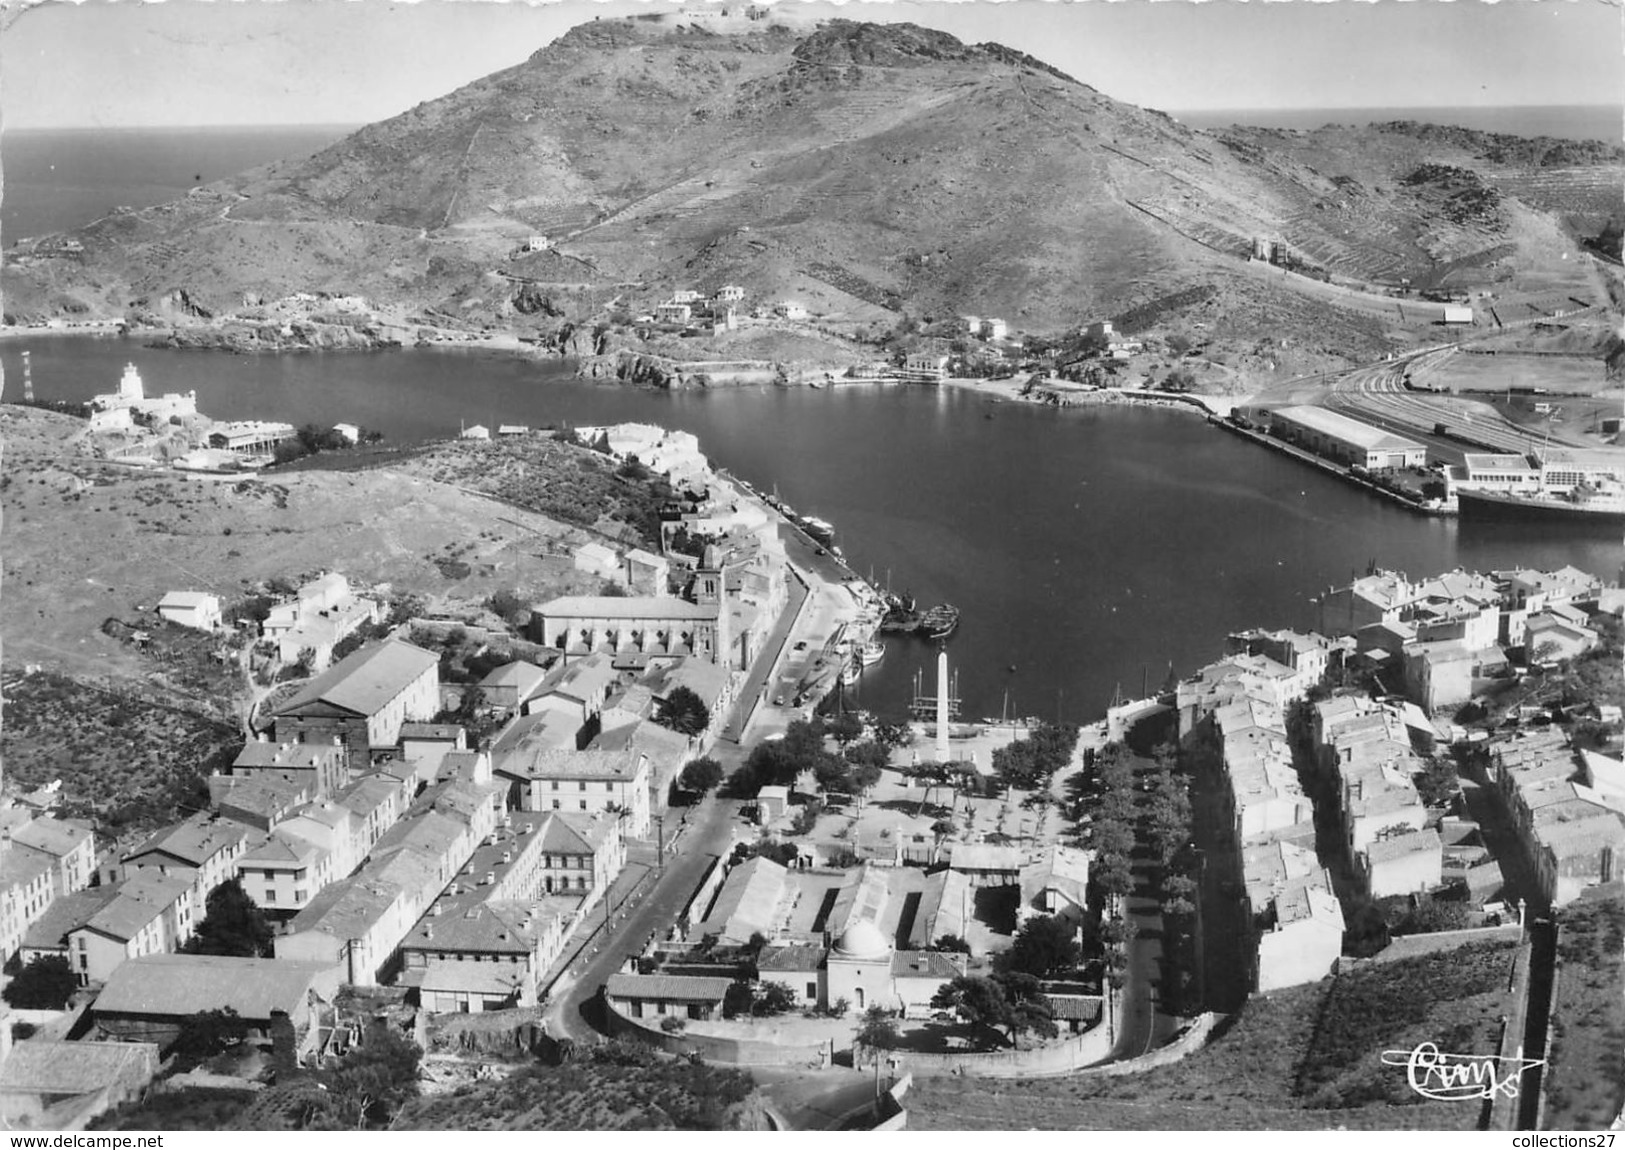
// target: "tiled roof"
[[628, 607], [180, 985], [936, 964], [613, 766], [669, 987], [1073, 1007], [797, 958], [194, 841], [365, 680], [1389, 849], [56, 837], [46, 1067]]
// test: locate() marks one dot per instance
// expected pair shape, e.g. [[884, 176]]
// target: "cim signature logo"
[[1459, 1077]]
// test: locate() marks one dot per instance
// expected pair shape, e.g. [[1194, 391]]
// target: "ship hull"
[[1496, 505]]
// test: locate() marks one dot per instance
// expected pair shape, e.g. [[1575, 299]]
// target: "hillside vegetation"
[[875, 172], [1304, 1058]]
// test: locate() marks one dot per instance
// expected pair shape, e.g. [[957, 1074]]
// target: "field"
[[1304, 1058], [1586, 1050], [128, 536], [1562, 374]]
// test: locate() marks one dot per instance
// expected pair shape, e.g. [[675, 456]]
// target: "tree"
[[684, 712], [47, 983], [1009, 1003], [207, 1034], [371, 1083], [845, 727], [232, 925], [1044, 946], [700, 775], [878, 1030], [737, 999], [951, 943], [773, 998]]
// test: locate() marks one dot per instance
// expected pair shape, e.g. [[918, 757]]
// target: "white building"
[[196, 609]]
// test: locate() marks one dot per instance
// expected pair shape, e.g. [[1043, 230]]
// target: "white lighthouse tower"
[[130, 387]]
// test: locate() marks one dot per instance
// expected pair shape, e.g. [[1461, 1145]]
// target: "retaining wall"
[[714, 1048]]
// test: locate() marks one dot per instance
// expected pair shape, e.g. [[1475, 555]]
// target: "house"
[[994, 329], [667, 751], [478, 431], [790, 309], [353, 926], [581, 855], [730, 293], [27, 889], [987, 865], [51, 1085], [772, 803], [1549, 638], [1301, 937], [1056, 883], [69, 843], [195, 609], [576, 689], [151, 914], [321, 614], [1407, 863], [926, 367], [662, 995], [1439, 676], [673, 312], [512, 684], [148, 998], [317, 768], [48, 936], [1379, 597], [364, 699], [579, 781], [203, 849], [472, 954], [427, 744], [285, 872], [646, 573], [596, 559], [260, 802], [798, 966], [917, 976]]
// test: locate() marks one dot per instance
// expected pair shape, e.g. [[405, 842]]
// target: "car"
[[778, 700], [821, 551], [801, 646]]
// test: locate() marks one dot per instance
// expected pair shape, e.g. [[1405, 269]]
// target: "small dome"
[[863, 940]]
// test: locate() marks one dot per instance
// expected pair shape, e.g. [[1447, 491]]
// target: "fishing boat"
[[940, 622], [851, 672], [872, 652]]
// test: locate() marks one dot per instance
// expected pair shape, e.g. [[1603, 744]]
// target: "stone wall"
[[714, 1048]]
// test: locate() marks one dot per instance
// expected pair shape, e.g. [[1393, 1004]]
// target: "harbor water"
[[1088, 548]]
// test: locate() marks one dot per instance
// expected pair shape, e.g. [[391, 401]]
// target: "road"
[[639, 908]]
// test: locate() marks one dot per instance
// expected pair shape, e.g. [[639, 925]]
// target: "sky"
[[99, 64]]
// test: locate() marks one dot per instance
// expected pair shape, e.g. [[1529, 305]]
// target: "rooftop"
[[180, 985], [1351, 431], [365, 680], [669, 987]]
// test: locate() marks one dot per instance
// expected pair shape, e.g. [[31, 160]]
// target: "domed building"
[[858, 968]]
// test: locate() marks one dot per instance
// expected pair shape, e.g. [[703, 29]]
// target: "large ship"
[[1600, 504]]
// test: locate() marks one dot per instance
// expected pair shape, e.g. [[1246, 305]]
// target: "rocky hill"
[[871, 171]]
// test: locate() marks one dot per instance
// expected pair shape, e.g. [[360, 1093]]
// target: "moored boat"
[[1594, 504], [940, 622], [851, 672], [872, 652]]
